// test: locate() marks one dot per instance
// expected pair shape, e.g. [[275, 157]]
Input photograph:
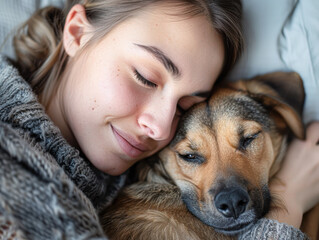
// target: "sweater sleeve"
[[267, 229]]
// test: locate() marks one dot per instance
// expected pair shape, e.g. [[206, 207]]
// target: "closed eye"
[[192, 158], [245, 141], [143, 80]]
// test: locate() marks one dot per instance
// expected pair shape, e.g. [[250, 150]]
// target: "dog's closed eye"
[[192, 158], [245, 141]]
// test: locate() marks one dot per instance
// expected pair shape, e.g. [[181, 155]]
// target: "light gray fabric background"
[[15, 12], [283, 36], [299, 50]]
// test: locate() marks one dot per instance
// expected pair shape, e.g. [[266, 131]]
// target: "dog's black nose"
[[232, 202]]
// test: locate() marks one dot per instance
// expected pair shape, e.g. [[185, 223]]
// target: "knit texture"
[[266, 229], [47, 190]]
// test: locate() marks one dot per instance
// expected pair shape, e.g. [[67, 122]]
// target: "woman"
[[110, 88]]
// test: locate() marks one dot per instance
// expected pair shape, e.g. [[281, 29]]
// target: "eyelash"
[[180, 111], [143, 80]]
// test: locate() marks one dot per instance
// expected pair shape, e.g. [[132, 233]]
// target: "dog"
[[211, 182]]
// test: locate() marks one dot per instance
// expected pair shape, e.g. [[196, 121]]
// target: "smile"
[[131, 147]]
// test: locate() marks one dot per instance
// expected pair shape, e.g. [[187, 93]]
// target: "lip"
[[130, 146]]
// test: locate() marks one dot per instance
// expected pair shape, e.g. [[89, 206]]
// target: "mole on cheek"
[[93, 108]]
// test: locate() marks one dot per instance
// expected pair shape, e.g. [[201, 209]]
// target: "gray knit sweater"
[[47, 190]]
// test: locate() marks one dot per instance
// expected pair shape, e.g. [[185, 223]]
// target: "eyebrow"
[[170, 66], [160, 56]]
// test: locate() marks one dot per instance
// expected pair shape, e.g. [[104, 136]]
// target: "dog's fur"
[[216, 168]]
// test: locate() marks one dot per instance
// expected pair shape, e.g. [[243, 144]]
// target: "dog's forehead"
[[198, 117], [241, 106], [224, 104]]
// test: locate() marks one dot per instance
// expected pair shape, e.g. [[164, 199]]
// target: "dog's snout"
[[232, 202]]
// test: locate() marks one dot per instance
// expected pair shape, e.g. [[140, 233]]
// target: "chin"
[[118, 167]]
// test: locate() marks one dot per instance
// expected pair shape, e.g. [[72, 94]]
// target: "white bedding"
[[299, 50]]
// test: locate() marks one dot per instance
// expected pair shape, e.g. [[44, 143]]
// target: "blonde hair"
[[41, 57]]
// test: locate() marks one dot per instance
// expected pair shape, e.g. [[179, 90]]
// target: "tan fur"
[[153, 208]]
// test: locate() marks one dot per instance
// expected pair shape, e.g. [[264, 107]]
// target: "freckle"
[[95, 100], [92, 108]]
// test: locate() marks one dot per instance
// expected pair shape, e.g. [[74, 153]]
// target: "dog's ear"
[[289, 87], [282, 92]]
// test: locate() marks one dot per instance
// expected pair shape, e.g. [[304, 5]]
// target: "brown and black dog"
[[211, 182]]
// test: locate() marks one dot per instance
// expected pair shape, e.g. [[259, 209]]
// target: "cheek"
[[101, 86], [115, 97]]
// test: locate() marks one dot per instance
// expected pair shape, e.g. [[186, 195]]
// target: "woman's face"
[[120, 100]]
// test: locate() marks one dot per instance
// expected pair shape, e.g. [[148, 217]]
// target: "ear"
[[289, 87], [75, 33], [282, 92]]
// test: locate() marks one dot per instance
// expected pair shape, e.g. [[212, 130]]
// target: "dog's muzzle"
[[232, 202], [230, 209]]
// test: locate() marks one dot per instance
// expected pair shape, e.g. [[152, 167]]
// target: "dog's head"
[[226, 149]]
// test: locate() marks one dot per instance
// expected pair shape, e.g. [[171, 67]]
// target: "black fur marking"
[[247, 109]]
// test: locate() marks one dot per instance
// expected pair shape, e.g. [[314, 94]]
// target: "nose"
[[159, 122], [232, 202]]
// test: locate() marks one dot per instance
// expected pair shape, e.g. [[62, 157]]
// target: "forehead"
[[189, 41]]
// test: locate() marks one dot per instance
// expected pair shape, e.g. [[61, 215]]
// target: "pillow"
[[299, 50], [262, 24], [13, 13], [276, 34]]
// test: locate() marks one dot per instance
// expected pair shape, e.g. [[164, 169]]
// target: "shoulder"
[[35, 193], [11, 81], [6, 64], [22, 157], [8, 72]]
